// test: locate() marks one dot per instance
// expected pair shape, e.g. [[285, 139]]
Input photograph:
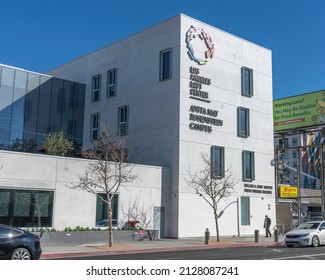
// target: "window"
[[247, 82], [243, 122], [284, 143], [294, 142], [217, 162], [26, 208], [73, 101], [61, 101], [101, 211], [96, 85], [72, 125], [165, 65], [111, 82], [94, 133], [245, 210], [28, 109], [123, 115], [248, 166]]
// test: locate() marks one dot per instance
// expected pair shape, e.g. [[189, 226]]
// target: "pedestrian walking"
[[267, 224]]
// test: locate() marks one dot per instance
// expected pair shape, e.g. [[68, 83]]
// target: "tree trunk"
[[110, 223], [216, 222]]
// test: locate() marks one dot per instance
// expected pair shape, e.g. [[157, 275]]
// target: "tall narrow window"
[[111, 82], [165, 65], [123, 116], [101, 211], [243, 122], [245, 210], [247, 81], [248, 166], [217, 162], [96, 85], [94, 133]]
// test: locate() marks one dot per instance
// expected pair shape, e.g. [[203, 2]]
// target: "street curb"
[[152, 250]]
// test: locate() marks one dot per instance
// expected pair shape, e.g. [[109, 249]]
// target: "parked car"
[[315, 218], [310, 233], [18, 244]]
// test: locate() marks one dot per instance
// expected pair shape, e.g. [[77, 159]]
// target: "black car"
[[18, 244]]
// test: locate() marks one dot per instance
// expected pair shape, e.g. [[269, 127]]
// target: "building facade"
[[33, 105], [37, 194], [179, 89]]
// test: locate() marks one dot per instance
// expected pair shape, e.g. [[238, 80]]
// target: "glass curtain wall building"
[[33, 105]]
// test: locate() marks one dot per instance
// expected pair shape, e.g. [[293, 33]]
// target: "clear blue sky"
[[39, 35]]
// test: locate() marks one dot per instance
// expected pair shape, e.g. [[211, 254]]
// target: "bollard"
[[276, 235], [256, 234], [207, 236]]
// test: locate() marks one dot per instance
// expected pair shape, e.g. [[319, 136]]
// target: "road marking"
[[277, 250], [300, 256]]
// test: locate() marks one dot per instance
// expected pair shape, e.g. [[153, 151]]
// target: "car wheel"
[[21, 254], [290, 246], [315, 241]]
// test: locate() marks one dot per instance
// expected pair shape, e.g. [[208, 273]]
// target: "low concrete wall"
[[84, 237], [87, 237]]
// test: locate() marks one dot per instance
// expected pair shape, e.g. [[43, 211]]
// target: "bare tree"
[[211, 188], [138, 212], [108, 171]]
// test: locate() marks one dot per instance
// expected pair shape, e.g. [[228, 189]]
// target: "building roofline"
[[21, 69], [152, 26]]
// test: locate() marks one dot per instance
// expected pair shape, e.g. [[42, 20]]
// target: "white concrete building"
[[174, 91], [178, 89]]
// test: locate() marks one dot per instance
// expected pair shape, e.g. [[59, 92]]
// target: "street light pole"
[[222, 211], [298, 185], [322, 179], [238, 225]]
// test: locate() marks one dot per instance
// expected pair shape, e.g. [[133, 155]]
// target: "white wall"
[[224, 70], [75, 207]]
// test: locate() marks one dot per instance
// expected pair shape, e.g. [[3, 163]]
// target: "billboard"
[[288, 191], [299, 111]]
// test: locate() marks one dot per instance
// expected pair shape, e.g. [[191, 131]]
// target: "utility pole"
[[298, 184], [322, 179]]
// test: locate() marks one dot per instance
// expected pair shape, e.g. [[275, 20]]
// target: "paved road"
[[239, 253]]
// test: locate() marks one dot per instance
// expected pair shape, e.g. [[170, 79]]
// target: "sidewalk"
[[101, 248]]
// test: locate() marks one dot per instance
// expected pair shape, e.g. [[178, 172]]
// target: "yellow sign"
[[288, 192]]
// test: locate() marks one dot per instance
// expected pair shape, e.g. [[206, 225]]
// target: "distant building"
[[299, 144]]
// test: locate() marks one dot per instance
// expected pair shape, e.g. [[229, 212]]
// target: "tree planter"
[[85, 237]]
